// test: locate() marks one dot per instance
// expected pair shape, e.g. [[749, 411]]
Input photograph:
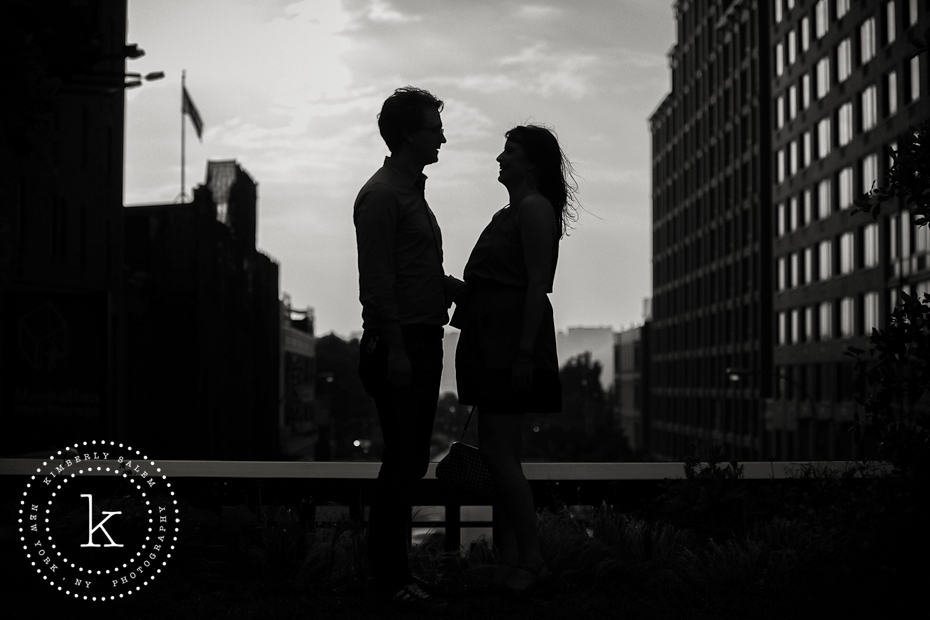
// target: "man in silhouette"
[[405, 298]]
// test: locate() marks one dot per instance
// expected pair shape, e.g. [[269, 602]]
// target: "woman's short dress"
[[490, 317]]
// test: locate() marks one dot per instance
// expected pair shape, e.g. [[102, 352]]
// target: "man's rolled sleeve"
[[375, 226]]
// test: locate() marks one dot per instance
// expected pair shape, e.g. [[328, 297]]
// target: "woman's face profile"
[[514, 165]]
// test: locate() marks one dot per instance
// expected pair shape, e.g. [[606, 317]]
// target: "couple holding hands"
[[506, 363]]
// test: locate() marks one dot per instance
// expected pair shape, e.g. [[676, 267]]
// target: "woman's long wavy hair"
[[555, 175]]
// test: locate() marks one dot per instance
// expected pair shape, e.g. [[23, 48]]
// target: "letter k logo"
[[91, 528]]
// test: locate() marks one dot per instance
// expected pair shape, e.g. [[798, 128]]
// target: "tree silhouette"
[[892, 378]]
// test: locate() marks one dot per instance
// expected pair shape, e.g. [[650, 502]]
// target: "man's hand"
[[453, 288], [399, 372]]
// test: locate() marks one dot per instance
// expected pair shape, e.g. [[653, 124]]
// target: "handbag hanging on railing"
[[463, 470]]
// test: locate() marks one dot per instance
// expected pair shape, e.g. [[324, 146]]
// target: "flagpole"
[[183, 142]]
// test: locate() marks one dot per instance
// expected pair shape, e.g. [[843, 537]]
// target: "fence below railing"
[[351, 481]]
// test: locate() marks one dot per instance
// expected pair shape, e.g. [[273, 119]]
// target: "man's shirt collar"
[[405, 176]]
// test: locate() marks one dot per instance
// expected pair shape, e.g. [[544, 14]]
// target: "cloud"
[[537, 12], [382, 11]]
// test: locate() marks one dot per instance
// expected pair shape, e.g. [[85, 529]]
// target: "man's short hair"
[[402, 112]]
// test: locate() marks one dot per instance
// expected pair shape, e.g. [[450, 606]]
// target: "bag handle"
[[471, 410]]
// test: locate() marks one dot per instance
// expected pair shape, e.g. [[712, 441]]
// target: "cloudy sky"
[[292, 89]]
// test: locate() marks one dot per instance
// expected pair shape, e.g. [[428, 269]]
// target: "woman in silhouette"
[[506, 361]]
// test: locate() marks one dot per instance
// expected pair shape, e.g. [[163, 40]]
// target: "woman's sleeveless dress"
[[490, 317]]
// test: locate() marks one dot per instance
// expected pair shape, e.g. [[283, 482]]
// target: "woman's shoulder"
[[534, 201], [534, 210]]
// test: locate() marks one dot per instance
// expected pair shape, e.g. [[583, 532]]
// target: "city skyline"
[[306, 131]]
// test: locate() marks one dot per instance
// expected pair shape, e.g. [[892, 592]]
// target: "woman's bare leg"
[[500, 442]]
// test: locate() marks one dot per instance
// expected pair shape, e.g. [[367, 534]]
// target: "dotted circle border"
[[118, 471]]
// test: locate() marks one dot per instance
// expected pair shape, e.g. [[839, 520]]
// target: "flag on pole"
[[188, 107]]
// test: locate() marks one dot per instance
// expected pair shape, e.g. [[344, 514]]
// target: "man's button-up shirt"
[[400, 274]]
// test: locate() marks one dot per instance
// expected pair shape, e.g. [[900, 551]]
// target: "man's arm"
[[375, 229]]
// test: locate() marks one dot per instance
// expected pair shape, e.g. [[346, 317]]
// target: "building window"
[[780, 165], [911, 12], [792, 46], [793, 157], [793, 214], [847, 317], [826, 320], [922, 240], [808, 265], [845, 183], [795, 327], [782, 339], [842, 7], [806, 148], [847, 253], [824, 138], [780, 219], [844, 123], [843, 60], [823, 77], [824, 198], [825, 262], [890, 26], [820, 18], [792, 102], [870, 245], [869, 108], [867, 41], [794, 271], [870, 311], [806, 207], [779, 58], [809, 324], [780, 112], [782, 273], [915, 78], [905, 234], [778, 12], [869, 172], [891, 93]]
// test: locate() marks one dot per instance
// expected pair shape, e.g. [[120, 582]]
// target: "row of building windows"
[[791, 49], [843, 255], [831, 193], [822, 14], [902, 234], [856, 116], [706, 371], [846, 317]]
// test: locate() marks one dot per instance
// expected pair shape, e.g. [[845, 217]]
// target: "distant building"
[[781, 114], [630, 385], [203, 325], [848, 84], [299, 423], [62, 364], [712, 293]]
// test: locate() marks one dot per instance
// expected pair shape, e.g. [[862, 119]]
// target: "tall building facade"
[[204, 329], [712, 290], [848, 82], [61, 151]]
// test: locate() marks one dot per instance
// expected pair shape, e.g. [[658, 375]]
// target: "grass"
[[702, 548]]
